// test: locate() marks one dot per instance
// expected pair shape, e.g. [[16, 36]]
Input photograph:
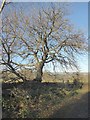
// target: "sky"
[[79, 17]]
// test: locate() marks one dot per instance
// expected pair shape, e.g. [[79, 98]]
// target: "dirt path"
[[76, 107]]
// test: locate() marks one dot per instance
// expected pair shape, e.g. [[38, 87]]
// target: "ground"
[[76, 107], [44, 100]]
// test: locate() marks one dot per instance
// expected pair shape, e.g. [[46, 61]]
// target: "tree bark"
[[39, 72], [2, 5]]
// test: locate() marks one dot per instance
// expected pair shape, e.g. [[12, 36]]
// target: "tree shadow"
[[35, 88], [74, 109]]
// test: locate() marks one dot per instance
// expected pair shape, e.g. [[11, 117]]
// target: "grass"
[[26, 100], [34, 101]]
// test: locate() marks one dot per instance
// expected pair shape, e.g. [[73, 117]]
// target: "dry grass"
[[43, 100], [75, 106]]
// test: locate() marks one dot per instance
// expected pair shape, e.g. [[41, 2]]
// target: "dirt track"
[[76, 107]]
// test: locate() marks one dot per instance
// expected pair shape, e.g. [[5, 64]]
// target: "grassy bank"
[[29, 100]]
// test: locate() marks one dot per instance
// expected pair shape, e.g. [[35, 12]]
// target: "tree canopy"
[[30, 42]]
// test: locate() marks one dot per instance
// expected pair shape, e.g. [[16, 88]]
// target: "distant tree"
[[29, 42]]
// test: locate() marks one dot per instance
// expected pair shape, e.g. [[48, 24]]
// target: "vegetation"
[[31, 41], [36, 100], [21, 104]]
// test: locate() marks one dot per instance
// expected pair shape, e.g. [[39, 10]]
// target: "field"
[[52, 98]]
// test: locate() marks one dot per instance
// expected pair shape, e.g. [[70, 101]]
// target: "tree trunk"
[[39, 72]]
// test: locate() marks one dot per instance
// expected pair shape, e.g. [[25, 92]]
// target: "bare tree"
[[3, 4], [30, 42]]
